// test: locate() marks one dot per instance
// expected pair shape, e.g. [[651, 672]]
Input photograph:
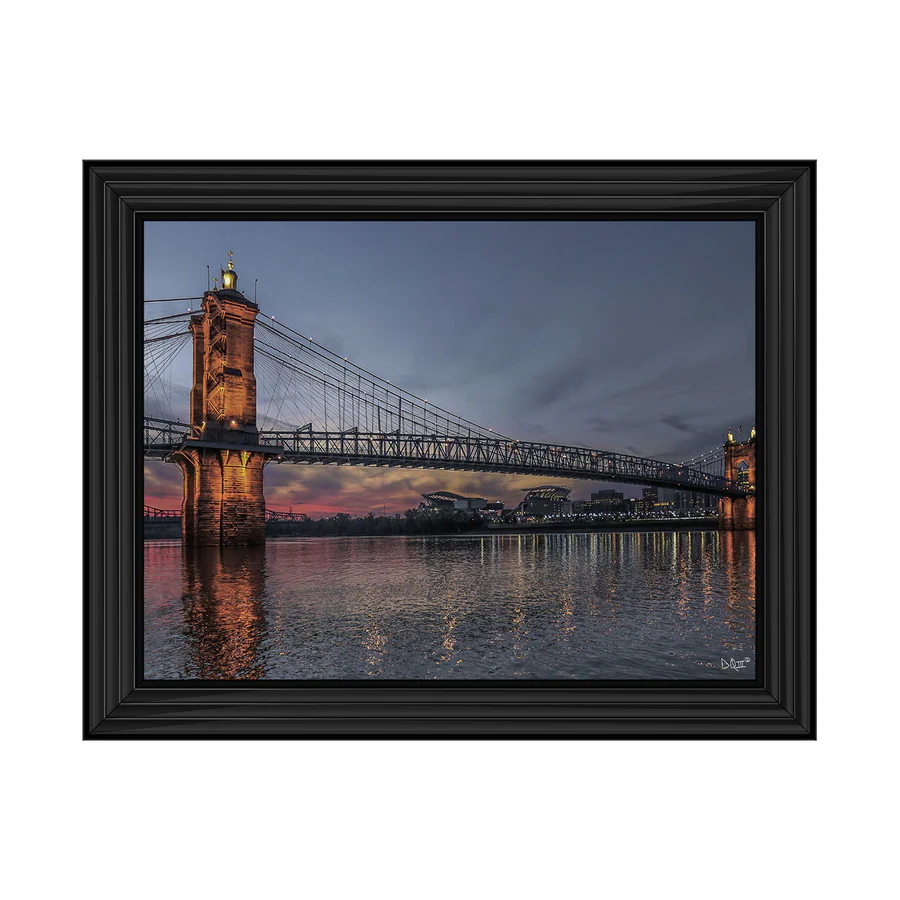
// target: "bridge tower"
[[739, 513], [222, 460]]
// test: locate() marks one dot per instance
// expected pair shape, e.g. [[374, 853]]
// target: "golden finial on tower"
[[753, 433], [215, 282], [229, 276], [730, 436]]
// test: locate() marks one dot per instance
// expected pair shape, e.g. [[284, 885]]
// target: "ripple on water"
[[557, 606]]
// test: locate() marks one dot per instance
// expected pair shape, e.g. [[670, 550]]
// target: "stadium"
[[546, 501], [449, 500]]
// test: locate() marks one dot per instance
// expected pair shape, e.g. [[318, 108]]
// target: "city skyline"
[[629, 336]]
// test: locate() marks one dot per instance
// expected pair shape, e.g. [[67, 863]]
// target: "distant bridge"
[[152, 514]]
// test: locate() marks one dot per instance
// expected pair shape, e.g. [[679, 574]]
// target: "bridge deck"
[[473, 454]]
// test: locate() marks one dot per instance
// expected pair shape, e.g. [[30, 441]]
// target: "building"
[[608, 501], [449, 500], [666, 501], [646, 506], [672, 502], [695, 503], [547, 501]]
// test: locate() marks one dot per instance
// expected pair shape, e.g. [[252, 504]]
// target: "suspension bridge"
[[263, 393]]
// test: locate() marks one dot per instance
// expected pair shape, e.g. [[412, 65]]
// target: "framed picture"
[[449, 450]]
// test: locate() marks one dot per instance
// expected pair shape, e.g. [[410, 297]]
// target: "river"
[[604, 605]]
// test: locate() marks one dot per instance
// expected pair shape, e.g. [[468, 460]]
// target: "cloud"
[[563, 381], [326, 490], [701, 440], [163, 485], [423, 386], [678, 423]]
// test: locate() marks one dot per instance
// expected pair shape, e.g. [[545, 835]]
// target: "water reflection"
[[601, 605], [519, 632], [224, 613], [374, 643], [739, 554], [706, 550]]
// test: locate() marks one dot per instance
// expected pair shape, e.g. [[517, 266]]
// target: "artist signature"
[[734, 663]]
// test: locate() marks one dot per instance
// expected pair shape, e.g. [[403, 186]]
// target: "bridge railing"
[[162, 436]]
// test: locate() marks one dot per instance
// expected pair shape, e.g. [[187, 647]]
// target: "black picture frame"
[[120, 196]]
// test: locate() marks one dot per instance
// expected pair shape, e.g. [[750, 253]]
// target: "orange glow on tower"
[[222, 460], [739, 513]]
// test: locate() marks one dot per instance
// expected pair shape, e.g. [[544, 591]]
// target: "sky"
[[637, 337]]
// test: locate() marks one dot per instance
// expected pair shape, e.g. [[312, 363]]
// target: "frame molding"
[[778, 196]]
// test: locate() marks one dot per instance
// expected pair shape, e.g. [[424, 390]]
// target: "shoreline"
[[173, 532], [637, 525]]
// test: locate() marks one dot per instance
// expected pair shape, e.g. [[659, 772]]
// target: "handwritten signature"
[[734, 663]]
